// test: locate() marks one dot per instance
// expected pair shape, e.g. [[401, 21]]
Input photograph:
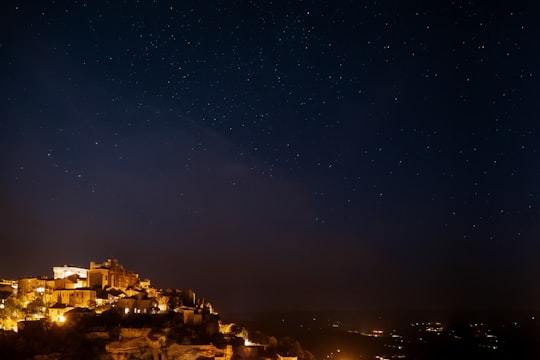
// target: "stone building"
[[62, 272], [111, 274], [33, 288], [76, 297], [71, 282], [133, 305], [57, 311]]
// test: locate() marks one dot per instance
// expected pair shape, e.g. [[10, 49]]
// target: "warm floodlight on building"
[[61, 319], [248, 343]]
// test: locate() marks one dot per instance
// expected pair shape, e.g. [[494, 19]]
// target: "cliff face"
[[146, 345], [193, 352], [64, 343]]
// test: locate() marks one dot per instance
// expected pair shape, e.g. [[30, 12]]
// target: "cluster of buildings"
[[76, 294], [99, 287]]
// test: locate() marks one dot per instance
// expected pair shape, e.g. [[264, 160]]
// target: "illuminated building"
[[136, 306], [8, 287], [56, 312], [33, 288], [63, 272], [191, 317], [76, 297], [111, 274], [71, 282]]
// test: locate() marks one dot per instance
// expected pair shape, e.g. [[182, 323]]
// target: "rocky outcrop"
[[147, 345], [191, 352]]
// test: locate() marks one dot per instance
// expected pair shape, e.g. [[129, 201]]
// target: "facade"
[[8, 287], [111, 274], [191, 317], [30, 289], [56, 312], [76, 297], [71, 282], [28, 285], [98, 278], [62, 272], [136, 306]]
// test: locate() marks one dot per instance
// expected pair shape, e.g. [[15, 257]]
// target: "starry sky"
[[277, 154]]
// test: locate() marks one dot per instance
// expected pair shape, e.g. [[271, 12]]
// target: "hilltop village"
[[113, 314]]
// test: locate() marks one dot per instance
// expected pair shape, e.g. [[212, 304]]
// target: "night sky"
[[277, 155]]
